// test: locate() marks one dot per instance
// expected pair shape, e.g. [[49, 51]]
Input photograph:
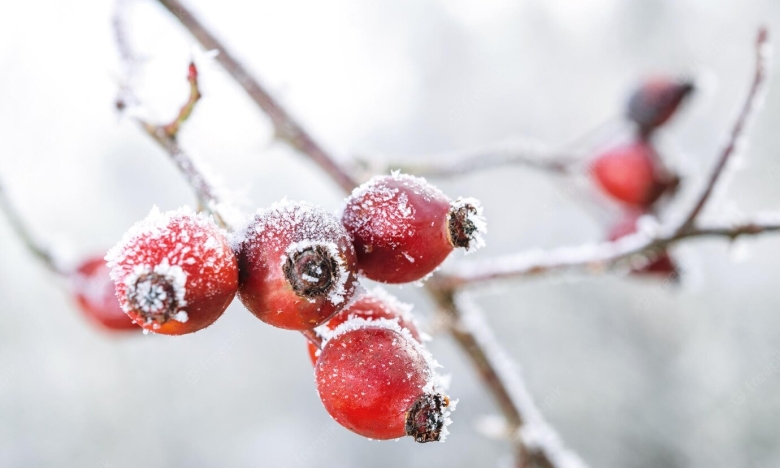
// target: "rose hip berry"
[[374, 379], [174, 272], [660, 265], [632, 174], [404, 227], [297, 265], [95, 295], [656, 100], [373, 305]]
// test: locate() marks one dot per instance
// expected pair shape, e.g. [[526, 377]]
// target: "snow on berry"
[[376, 380], [174, 272], [371, 305], [404, 227], [297, 265], [91, 286]]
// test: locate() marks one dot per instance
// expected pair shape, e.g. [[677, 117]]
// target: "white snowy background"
[[632, 373]]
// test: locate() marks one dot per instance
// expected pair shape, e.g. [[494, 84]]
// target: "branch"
[[40, 251], [521, 153], [596, 257], [748, 109], [287, 129]]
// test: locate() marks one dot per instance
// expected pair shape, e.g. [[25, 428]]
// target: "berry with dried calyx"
[[633, 174], [656, 100], [174, 272], [404, 227], [91, 286], [374, 379], [659, 264], [372, 305], [297, 265]]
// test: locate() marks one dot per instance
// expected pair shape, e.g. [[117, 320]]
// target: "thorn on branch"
[[172, 129]]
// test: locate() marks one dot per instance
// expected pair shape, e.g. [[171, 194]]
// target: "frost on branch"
[[535, 433]]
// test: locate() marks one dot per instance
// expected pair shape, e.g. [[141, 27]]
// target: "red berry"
[[297, 265], [656, 100], [373, 305], [404, 227], [374, 379], [660, 265], [95, 295], [174, 272], [632, 174]]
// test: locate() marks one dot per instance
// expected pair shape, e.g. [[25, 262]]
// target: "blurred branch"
[[597, 257], [748, 109], [40, 251], [287, 129], [519, 153], [562, 160], [290, 131]]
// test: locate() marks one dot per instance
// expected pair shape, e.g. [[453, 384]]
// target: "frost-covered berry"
[[174, 272], [374, 379], [95, 295], [297, 265], [656, 100], [632, 174], [658, 264], [372, 305], [404, 227]]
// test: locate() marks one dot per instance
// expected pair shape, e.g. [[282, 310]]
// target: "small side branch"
[[287, 129], [457, 163], [740, 125], [39, 250]]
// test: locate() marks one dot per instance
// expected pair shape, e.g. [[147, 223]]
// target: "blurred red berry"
[[404, 227], [95, 295], [376, 380], [660, 265], [174, 272], [297, 265], [373, 305], [656, 100], [632, 174]]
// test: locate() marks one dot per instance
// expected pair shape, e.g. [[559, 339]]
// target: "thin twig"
[[740, 125], [457, 163], [292, 132], [39, 250], [593, 258], [172, 129], [287, 129]]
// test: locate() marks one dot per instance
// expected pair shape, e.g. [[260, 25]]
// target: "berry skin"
[[95, 295], [297, 265], [404, 227], [377, 381], [174, 272], [656, 100], [372, 305], [661, 265], [632, 174]]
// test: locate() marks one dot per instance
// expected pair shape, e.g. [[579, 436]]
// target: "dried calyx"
[[153, 297], [425, 419], [312, 271], [461, 224]]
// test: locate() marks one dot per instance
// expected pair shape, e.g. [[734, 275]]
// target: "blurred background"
[[632, 373]]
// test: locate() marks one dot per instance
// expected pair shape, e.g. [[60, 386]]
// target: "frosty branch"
[[290, 131], [33, 245], [604, 256]]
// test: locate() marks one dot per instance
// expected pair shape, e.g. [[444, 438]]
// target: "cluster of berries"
[[296, 266], [634, 174]]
